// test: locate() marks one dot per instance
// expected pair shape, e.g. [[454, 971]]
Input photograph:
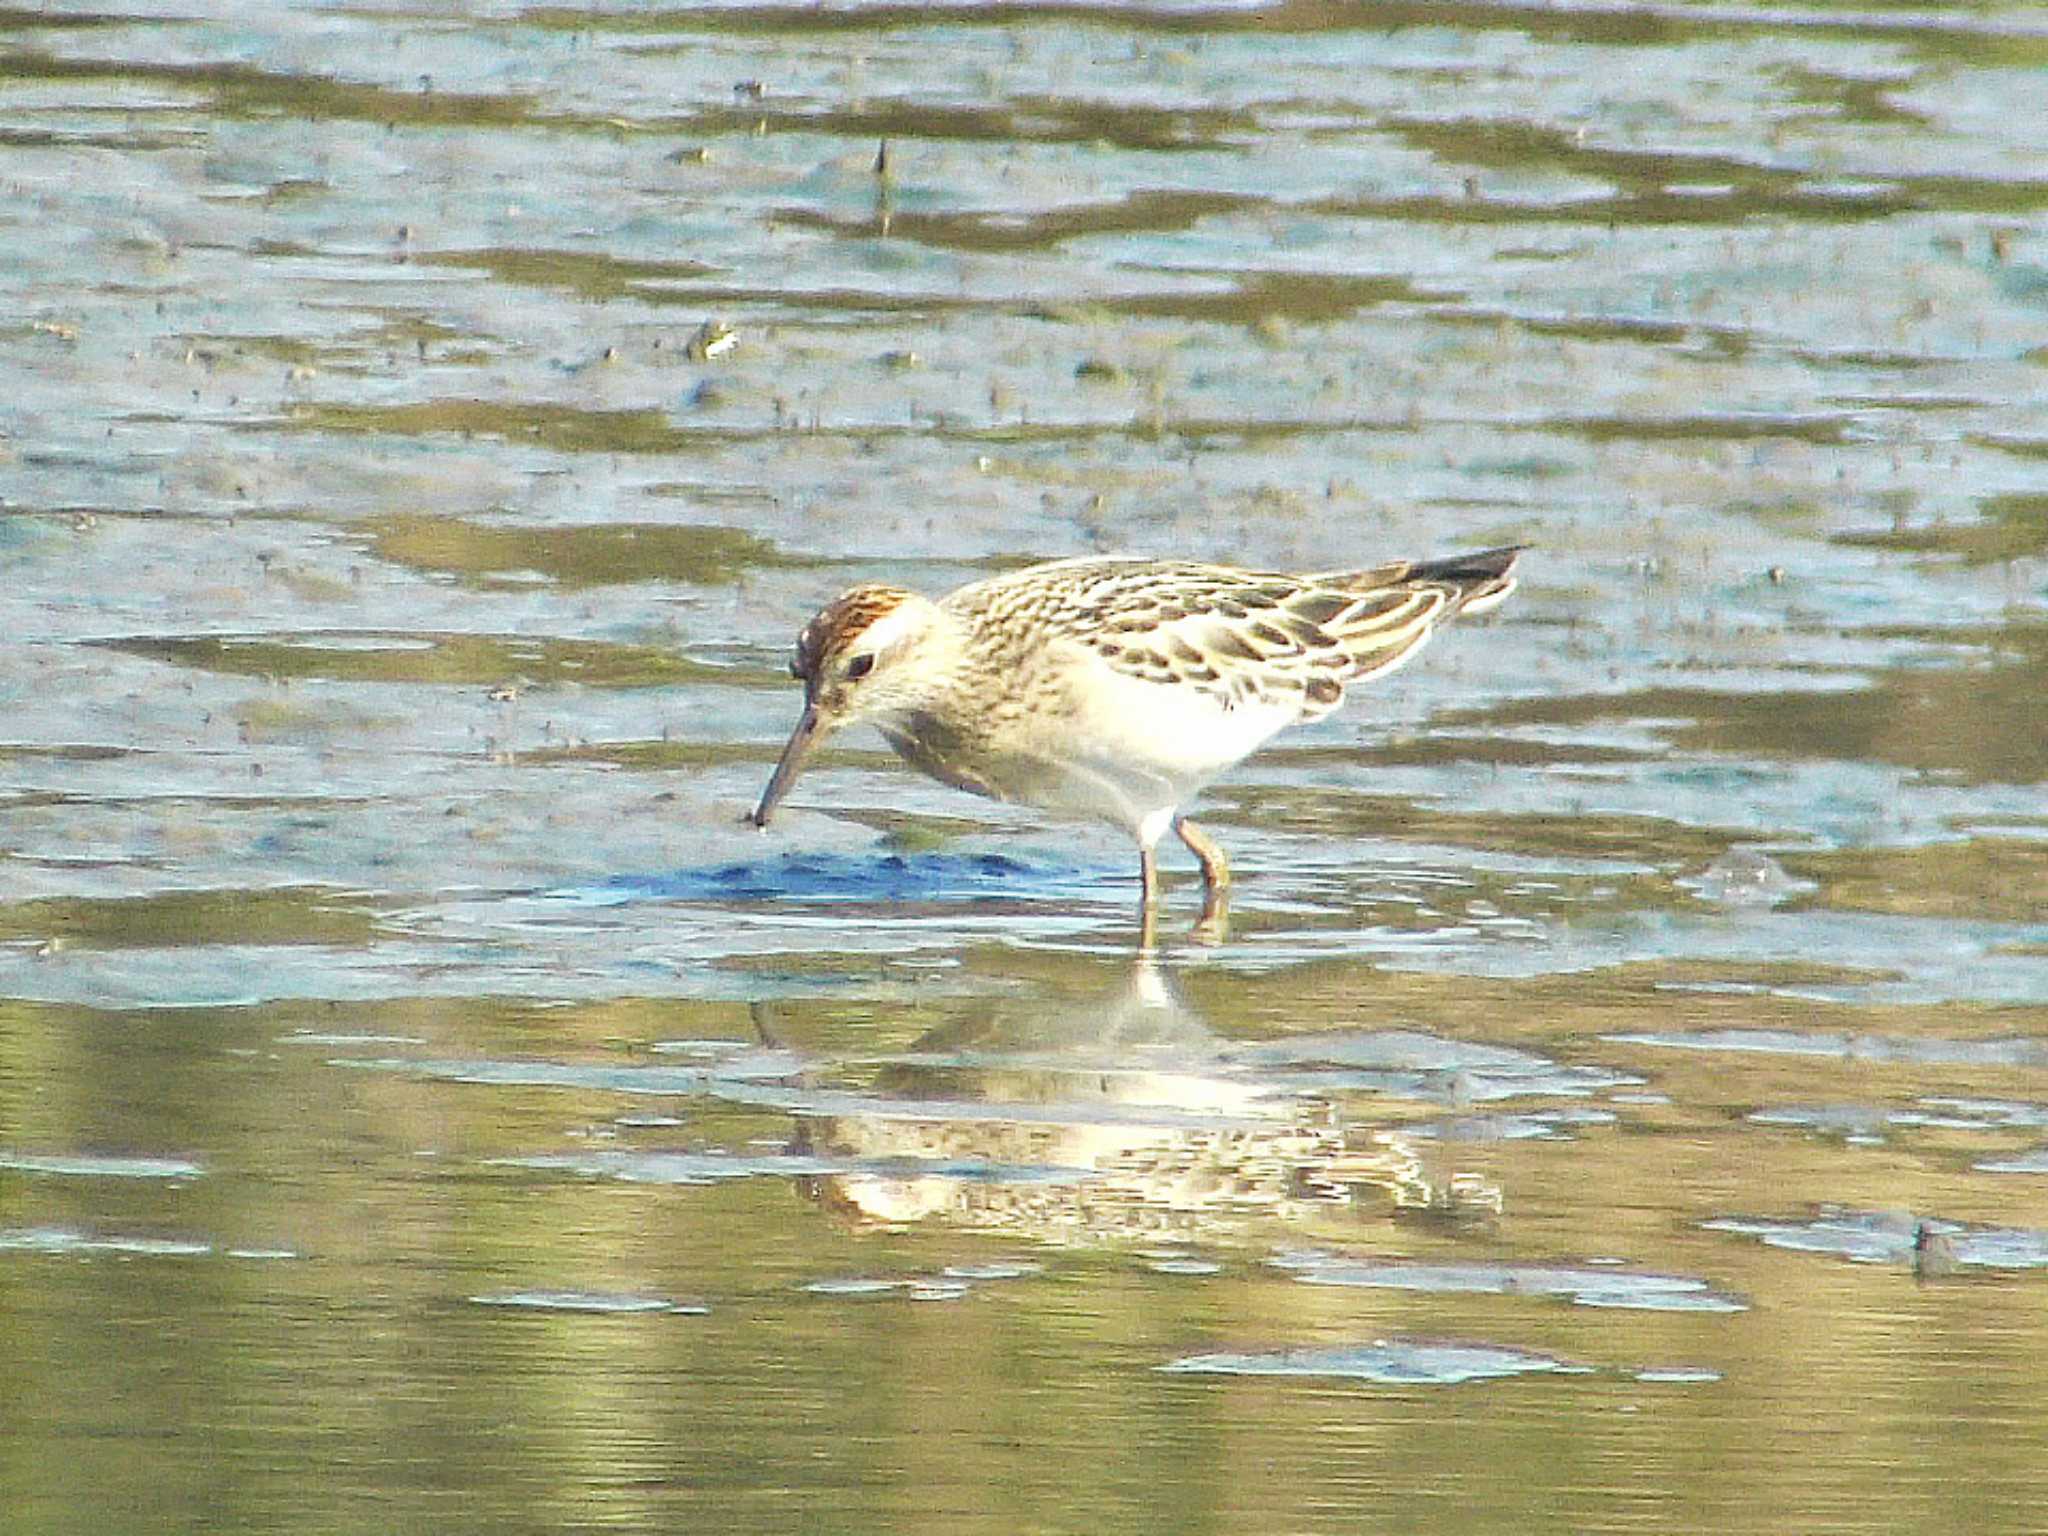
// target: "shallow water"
[[1623, 1100]]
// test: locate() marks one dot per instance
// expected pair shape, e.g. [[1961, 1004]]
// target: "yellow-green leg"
[[1214, 922], [1148, 900]]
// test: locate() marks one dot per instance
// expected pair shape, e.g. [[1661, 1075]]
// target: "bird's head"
[[872, 652]]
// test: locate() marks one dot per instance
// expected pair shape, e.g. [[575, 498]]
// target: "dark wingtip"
[[1475, 569], [1480, 580]]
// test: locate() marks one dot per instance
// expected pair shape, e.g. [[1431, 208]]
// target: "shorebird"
[[1115, 689]]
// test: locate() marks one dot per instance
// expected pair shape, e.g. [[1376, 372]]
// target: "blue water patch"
[[1890, 1237], [1584, 1285], [847, 877], [69, 1241], [1400, 1362], [86, 1165], [952, 1283]]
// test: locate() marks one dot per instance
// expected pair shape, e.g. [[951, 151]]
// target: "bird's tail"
[[1397, 606]]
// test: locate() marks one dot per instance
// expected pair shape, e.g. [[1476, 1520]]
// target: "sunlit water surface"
[[1622, 1103]]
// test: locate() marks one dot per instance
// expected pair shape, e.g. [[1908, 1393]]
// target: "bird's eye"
[[796, 665], [861, 665]]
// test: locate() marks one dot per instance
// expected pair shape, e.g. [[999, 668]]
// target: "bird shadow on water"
[[813, 877], [948, 895]]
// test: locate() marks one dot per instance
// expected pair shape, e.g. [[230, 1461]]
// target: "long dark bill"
[[801, 740]]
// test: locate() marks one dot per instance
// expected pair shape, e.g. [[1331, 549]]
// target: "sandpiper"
[[1116, 688]]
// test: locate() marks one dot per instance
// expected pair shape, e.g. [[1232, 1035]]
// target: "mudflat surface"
[[1622, 1101]]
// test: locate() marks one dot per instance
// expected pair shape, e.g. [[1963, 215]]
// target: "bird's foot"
[[1213, 926]]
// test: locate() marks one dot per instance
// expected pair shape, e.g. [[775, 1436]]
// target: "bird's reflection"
[[1114, 1115]]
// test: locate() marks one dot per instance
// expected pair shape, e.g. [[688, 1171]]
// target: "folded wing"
[[1257, 638]]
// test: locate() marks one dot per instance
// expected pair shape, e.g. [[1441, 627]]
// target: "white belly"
[[1102, 744], [1180, 736]]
